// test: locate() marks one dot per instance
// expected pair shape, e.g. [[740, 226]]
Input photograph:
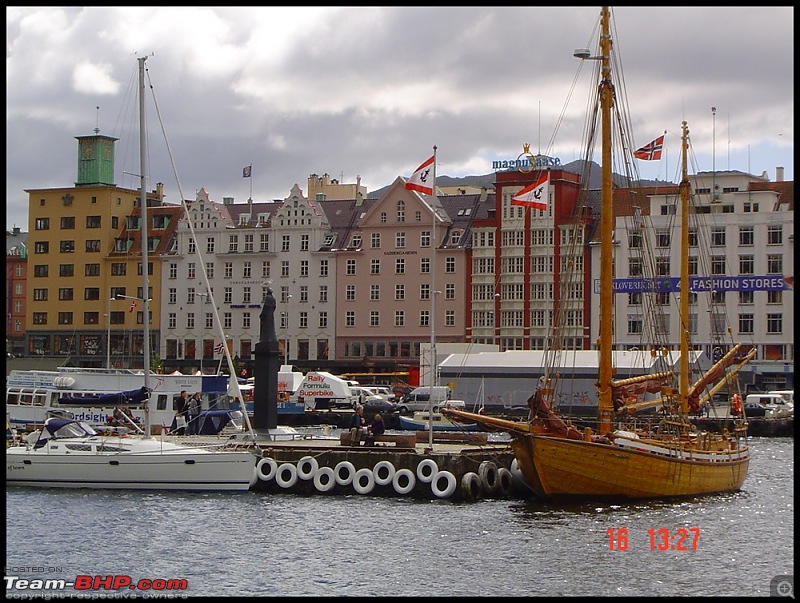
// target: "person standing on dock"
[[357, 426], [181, 408], [193, 427]]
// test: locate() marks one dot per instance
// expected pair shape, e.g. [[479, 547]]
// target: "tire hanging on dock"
[[266, 468], [284, 480], [325, 479], [444, 484], [427, 470], [384, 473], [471, 486], [364, 481], [404, 481], [487, 471], [307, 467], [505, 482], [344, 473]]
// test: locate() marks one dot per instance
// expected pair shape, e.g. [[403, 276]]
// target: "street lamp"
[[146, 320], [286, 331], [108, 335]]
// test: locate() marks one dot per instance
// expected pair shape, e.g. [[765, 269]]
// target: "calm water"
[[283, 544]]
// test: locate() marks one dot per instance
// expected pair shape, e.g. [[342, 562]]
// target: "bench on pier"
[[400, 440]]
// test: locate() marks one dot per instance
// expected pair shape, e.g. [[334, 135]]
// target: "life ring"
[[324, 479], [427, 470], [404, 481], [471, 486], [487, 471], [449, 485], [307, 467], [286, 482], [344, 473], [270, 471], [505, 481], [384, 473], [364, 481]]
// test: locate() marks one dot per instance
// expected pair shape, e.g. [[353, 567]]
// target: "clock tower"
[[95, 160]]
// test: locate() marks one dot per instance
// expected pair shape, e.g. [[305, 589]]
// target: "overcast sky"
[[369, 91]]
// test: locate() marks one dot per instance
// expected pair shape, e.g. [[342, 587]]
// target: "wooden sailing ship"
[[625, 457]]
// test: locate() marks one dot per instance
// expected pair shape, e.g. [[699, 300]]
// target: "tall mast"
[[145, 279], [605, 407], [683, 384]]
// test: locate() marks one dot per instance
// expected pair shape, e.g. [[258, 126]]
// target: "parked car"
[[384, 392], [375, 405], [752, 408]]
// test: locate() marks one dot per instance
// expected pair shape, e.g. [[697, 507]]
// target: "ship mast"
[[683, 383], [145, 276], [605, 406]]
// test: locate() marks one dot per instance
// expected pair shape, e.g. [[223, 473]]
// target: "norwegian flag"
[[650, 151], [133, 306], [219, 348]]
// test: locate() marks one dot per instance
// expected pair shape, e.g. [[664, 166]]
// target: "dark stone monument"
[[265, 371]]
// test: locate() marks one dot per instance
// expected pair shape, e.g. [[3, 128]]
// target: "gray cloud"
[[369, 91]]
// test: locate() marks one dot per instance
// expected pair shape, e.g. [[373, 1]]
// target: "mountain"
[[487, 180]]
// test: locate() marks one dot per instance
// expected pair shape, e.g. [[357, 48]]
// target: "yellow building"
[[85, 249]]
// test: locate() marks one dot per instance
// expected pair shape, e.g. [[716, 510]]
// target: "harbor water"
[[276, 545]]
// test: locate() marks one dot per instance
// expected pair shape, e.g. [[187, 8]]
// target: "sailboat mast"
[[145, 279], [605, 406], [683, 383]]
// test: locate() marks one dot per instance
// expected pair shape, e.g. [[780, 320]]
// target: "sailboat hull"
[[176, 469], [627, 469]]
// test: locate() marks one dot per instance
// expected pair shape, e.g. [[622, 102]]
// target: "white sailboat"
[[67, 453]]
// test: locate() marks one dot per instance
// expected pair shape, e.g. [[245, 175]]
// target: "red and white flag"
[[133, 306], [534, 195], [422, 178], [650, 151]]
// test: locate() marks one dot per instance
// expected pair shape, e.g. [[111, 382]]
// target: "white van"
[[773, 400], [420, 399]]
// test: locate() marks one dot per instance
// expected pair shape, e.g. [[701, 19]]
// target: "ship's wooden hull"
[[561, 468]]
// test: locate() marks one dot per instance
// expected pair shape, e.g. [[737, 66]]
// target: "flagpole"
[[434, 372], [251, 182]]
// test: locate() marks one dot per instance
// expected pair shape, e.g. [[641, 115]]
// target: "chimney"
[[778, 174]]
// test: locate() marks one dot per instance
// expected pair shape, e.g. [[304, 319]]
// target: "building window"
[[42, 224], [718, 237], [66, 270], [424, 318], [375, 240], [375, 267], [399, 318], [400, 266], [210, 245], [92, 269], [746, 264], [399, 292], [350, 293], [450, 318], [425, 266], [374, 318], [775, 234], [66, 246], [350, 268], [774, 323], [401, 211], [774, 264], [375, 292], [68, 223], [350, 318]]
